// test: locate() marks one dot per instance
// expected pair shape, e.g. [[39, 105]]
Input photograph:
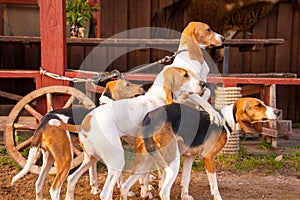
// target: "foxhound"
[[101, 130], [56, 143], [194, 38], [174, 127]]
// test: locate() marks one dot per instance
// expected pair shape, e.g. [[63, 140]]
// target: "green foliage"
[[245, 161], [296, 125], [5, 159], [17, 138], [78, 11], [266, 145]]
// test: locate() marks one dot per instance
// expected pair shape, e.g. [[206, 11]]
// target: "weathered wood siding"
[[121, 15]]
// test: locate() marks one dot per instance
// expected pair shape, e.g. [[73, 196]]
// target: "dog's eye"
[[209, 30], [259, 105], [185, 74]]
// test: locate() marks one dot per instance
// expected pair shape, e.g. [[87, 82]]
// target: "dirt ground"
[[233, 184]]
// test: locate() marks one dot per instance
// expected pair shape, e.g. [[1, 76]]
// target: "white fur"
[[212, 178], [111, 121], [270, 113], [54, 122]]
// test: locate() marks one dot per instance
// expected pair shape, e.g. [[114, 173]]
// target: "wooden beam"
[[19, 2], [10, 73], [53, 39]]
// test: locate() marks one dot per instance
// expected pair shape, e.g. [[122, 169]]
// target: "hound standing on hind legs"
[[56, 144]]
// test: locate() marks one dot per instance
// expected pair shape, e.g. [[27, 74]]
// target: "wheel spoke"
[[49, 102], [24, 144], [33, 112], [25, 126], [69, 102]]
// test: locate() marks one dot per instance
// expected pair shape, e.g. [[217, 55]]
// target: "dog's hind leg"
[[212, 177], [142, 169], [112, 177], [94, 179], [48, 161], [186, 176], [63, 165], [73, 178], [170, 175]]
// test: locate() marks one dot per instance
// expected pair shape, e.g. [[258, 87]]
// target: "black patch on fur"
[[108, 93], [234, 114], [189, 123], [76, 115]]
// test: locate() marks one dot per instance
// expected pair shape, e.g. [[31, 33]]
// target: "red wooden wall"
[[122, 15]]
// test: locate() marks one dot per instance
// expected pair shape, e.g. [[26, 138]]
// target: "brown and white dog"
[[56, 143], [176, 126], [194, 39], [102, 129]]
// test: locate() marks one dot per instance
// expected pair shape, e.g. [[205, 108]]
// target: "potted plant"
[[78, 13]]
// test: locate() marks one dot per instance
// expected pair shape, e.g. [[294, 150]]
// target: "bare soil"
[[233, 184]]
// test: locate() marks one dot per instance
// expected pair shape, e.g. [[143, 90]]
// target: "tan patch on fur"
[[174, 78], [121, 89], [210, 157], [165, 144]]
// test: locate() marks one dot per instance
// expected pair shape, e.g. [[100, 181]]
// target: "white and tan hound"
[[194, 38], [102, 129], [176, 126], [56, 143]]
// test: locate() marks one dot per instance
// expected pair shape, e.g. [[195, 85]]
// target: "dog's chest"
[[128, 114]]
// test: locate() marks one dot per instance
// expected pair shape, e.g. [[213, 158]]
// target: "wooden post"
[[98, 34], [53, 39]]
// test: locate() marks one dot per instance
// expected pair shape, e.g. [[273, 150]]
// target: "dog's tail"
[[85, 126], [30, 161]]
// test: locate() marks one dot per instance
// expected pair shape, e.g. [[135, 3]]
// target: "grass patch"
[[5, 159], [245, 161], [296, 125]]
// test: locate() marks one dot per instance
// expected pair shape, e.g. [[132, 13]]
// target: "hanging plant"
[[78, 11]]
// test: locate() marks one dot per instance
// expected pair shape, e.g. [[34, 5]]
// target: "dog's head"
[[122, 89], [179, 82], [199, 35], [251, 112]]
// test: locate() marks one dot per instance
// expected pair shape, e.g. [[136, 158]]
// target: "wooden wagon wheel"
[[24, 117]]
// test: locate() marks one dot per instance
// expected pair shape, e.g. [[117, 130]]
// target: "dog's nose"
[[277, 112], [202, 84]]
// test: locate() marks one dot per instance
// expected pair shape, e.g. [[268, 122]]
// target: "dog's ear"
[[169, 75], [168, 90], [189, 37], [257, 126], [243, 119]]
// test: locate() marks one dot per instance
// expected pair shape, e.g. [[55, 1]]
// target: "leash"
[[100, 77], [163, 60]]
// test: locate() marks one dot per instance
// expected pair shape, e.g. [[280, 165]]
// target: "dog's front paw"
[[217, 197], [131, 194], [215, 117], [95, 190], [187, 197]]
